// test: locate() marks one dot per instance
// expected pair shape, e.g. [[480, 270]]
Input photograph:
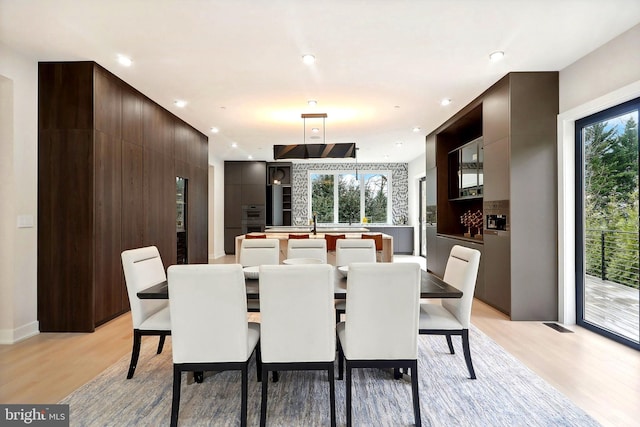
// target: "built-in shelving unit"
[[279, 193], [511, 130], [286, 204]]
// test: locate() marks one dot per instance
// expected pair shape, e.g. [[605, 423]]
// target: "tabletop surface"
[[431, 286]]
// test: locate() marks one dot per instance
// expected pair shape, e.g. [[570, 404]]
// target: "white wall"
[[18, 192], [417, 170], [606, 77], [606, 69], [216, 204]]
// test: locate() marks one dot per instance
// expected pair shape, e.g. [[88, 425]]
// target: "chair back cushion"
[[332, 239], [307, 248], [376, 238], [208, 304], [461, 272], [142, 268], [297, 317], [383, 305], [298, 236], [355, 250], [255, 236], [259, 251]]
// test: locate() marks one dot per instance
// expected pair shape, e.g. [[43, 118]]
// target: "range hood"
[[315, 151]]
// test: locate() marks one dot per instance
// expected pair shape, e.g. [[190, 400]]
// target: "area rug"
[[506, 393]]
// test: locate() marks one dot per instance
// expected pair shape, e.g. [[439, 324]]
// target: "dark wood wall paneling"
[[65, 213], [104, 187]]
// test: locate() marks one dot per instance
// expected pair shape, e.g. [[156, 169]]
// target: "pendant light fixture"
[[314, 151]]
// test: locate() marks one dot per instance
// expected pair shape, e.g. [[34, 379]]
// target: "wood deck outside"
[[613, 307]]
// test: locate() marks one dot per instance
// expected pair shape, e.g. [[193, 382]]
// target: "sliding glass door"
[[607, 218]]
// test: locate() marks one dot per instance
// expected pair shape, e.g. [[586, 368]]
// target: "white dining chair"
[[208, 304], [259, 251], [355, 250], [381, 327], [453, 316], [352, 250], [307, 248], [143, 268], [297, 327], [256, 252]]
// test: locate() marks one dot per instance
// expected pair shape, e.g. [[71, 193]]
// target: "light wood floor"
[[599, 375]]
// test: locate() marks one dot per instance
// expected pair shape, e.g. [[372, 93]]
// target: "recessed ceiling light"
[[312, 102], [399, 144], [315, 130], [214, 130], [416, 129], [249, 157], [445, 101], [234, 145], [124, 61], [180, 103], [308, 59], [496, 56]]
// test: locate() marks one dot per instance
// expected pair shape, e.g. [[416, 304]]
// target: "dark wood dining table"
[[431, 286]]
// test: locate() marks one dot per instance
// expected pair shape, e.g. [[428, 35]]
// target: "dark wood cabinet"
[[244, 184], [107, 160]]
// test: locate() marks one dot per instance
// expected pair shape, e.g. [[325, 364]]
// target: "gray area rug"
[[506, 393]]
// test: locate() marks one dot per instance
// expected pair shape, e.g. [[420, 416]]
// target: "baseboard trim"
[[216, 255], [12, 336]]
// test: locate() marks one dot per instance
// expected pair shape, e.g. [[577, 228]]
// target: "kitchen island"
[[282, 234]]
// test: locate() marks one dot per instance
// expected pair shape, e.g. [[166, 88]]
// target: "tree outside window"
[[322, 197], [352, 199]]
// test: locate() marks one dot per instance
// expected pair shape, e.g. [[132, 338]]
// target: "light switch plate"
[[25, 221]]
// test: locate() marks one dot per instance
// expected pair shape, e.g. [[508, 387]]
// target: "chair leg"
[[332, 395], [258, 362], [198, 377], [275, 376], [161, 343], [467, 353], [340, 361], [397, 374], [450, 344], [414, 389], [175, 401], [348, 399], [263, 403], [245, 389], [135, 353]]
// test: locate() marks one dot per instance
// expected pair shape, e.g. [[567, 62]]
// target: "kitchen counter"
[[350, 233], [320, 229]]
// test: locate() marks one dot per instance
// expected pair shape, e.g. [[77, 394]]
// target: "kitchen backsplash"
[[300, 187]]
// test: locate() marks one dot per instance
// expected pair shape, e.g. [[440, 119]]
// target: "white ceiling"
[[382, 65]]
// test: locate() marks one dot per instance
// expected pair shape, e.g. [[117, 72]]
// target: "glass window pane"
[[322, 197], [376, 197], [348, 198], [469, 169]]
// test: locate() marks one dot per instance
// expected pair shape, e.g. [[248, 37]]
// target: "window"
[[347, 197]]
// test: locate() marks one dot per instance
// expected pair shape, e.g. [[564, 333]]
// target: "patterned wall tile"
[[300, 187]]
